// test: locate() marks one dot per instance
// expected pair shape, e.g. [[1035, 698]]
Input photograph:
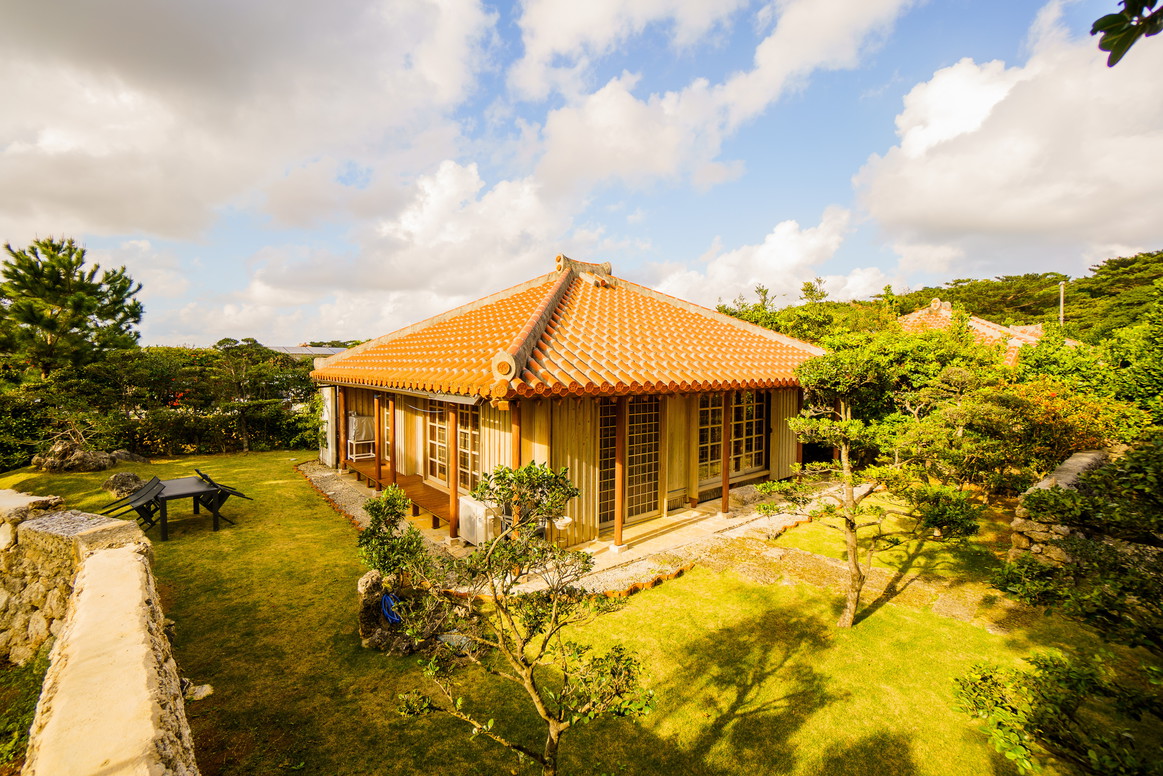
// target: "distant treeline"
[[1115, 295]]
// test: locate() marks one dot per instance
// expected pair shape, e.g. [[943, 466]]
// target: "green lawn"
[[973, 559], [750, 678]]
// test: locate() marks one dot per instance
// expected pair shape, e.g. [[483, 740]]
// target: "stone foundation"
[[1036, 537]]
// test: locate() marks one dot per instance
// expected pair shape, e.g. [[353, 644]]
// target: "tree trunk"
[[243, 431], [856, 577], [856, 574], [552, 741]]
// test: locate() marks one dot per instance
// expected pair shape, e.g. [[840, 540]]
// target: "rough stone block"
[[7, 535], [1020, 541], [1025, 526]]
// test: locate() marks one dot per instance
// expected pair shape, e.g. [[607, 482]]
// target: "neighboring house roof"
[[304, 351], [575, 331], [939, 315]]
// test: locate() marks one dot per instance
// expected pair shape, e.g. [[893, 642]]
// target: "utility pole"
[[1061, 303]]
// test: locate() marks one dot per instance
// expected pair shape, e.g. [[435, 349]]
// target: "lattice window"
[[749, 434], [437, 442], [607, 431], [468, 448], [642, 451], [710, 436]]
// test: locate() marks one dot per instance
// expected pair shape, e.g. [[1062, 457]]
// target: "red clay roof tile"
[[575, 331]]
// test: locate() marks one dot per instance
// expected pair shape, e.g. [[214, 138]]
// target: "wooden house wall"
[[677, 448], [361, 401], [496, 435], [575, 445], [785, 403]]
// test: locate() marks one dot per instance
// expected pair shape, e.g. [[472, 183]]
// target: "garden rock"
[[125, 455], [122, 484], [375, 632], [65, 456]]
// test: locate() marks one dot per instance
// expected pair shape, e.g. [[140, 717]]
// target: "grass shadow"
[[756, 686], [884, 752]]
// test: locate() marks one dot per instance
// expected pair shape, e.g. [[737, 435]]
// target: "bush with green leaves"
[[530, 494], [1090, 711], [389, 544], [1063, 705]]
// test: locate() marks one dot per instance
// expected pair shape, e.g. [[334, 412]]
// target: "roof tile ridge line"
[[435, 319], [510, 362], [715, 315]]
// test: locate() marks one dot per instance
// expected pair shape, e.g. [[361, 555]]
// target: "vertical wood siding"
[[574, 445], [784, 405], [496, 427]]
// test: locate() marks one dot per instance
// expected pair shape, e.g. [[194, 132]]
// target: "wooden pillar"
[[515, 435], [342, 421], [799, 444], [692, 461], [663, 455], [453, 472], [392, 437], [378, 440], [728, 424], [621, 426]]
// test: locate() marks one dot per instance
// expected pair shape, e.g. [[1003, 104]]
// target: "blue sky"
[[296, 171]]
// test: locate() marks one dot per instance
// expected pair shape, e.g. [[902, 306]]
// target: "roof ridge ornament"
[[564, 263], [508, 362]]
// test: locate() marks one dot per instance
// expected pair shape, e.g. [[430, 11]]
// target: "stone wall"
[[111, 702], [1037, 537], [35, 579]]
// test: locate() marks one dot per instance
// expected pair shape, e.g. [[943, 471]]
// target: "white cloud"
[[788, 256], [561, 38], [454, 240], [810, 35], [148, 118], [612, 134], [1046, 163]]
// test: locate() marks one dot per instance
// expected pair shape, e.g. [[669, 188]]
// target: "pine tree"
[[55, 312]]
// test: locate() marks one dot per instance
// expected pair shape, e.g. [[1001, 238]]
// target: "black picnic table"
[[195, 488], [152, 498]]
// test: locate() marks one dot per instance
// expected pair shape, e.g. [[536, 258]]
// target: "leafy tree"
[[253, 382], [1062, 704], [815, 318], [508, 609], [55, 312], [1138, 352], [1113, 296], [1004, 436], [1120, 31], [1082, 367], [1007, 299], [846, 392], [1115, 582]]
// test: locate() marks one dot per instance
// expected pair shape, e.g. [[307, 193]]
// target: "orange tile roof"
[[575, 331], [939, 315]]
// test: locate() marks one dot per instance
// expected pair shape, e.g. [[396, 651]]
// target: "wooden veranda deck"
[[424, 497]]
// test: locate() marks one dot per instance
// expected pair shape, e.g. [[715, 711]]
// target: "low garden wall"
[[111, 701], [1036, 537]]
